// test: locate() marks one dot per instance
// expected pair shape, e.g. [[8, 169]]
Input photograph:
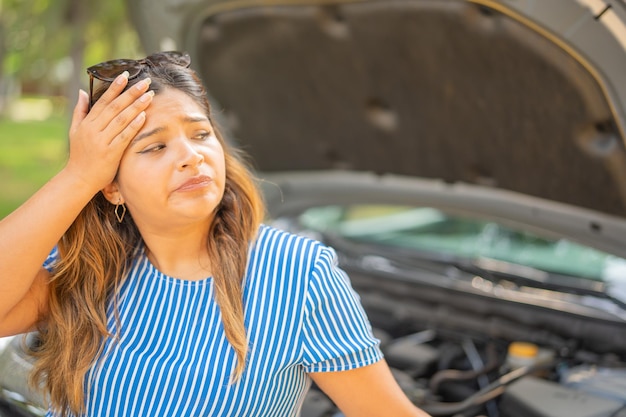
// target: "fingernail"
[[143, 84], [121, 79], [140, 118], [147, 96]]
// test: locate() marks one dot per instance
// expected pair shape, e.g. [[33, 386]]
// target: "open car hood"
[[511, 111], [528, 97]]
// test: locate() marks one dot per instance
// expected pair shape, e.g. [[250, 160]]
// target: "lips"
[[195, 183]]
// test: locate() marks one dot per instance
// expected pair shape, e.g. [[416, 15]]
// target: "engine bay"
[[460, 354]]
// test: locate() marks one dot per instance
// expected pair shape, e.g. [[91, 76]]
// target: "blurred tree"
[[2, 55], [46, 44]]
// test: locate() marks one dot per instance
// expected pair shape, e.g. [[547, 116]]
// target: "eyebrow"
[[187, 119], [146, 134], [195, 119]]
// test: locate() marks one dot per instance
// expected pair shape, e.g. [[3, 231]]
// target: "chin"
[[199, 212]]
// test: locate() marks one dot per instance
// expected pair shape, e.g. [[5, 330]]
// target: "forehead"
[[172, 102]]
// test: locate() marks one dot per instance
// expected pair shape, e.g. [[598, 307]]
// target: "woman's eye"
[[203, 135], [154, 148]]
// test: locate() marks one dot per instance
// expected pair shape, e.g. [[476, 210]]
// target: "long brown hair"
[[95, 252]]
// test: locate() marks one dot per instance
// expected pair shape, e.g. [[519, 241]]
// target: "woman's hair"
[[95, 253]]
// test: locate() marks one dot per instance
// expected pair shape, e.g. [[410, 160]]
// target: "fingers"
[[129, 130], [114, 90], [80, 110], [100, 136], [115, 109], [127, 123]]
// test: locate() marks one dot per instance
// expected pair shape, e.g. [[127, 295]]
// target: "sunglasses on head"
[[107, 71]]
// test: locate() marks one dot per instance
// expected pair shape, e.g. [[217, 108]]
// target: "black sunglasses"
[[107, 71]]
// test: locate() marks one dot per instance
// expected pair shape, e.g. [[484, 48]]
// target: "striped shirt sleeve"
[[337, 335], [52, 259]]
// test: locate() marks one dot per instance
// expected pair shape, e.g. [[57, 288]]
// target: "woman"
[[161, 293]]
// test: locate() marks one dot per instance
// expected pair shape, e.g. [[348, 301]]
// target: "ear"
[[112, 193]]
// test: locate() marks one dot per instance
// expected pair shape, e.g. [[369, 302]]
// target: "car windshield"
[[427, 229]]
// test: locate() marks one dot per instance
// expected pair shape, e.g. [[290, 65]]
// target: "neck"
[[180, 254]]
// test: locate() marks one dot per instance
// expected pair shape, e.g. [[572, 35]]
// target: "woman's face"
[[173, 172]]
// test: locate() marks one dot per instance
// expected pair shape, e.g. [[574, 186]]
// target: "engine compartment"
[[459, 354]]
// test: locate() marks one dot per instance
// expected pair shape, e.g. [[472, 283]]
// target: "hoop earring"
[[120, 216]]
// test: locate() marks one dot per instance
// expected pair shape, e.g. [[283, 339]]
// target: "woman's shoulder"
[[272, 236], [278, 243]]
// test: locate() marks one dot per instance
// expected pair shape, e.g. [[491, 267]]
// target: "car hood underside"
[[452, 90]]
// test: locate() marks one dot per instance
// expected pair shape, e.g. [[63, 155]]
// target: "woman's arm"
[[97, 142], [370, 391]]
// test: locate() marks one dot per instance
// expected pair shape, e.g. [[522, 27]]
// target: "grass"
[[31, 152]]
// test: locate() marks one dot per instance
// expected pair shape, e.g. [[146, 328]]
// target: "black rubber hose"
[[491, 391], [457, 375]]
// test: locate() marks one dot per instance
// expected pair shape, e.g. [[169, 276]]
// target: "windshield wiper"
[[493, 270]]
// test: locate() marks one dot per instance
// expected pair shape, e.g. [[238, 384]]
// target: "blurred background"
[[45, 46]]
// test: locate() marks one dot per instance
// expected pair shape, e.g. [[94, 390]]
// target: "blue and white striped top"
[[173, 359]]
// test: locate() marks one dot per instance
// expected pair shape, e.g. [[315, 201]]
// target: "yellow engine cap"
[[523, 349]]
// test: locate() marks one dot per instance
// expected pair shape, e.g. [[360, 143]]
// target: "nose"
[[188, 155]]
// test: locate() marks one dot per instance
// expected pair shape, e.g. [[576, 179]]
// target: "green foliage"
[[40, 35], [30, 154], [41, 44]]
